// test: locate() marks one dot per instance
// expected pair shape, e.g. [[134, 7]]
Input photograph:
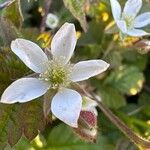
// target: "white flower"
[[128, 21], [56, 73], [52, 21]]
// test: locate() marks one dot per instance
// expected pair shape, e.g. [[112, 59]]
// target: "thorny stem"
[[47, 4], [6, 4], [138, 140]]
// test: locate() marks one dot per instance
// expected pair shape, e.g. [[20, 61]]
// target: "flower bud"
[[52, 21], [143, 46], [87, 126]]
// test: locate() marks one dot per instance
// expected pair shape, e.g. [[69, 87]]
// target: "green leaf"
[[91, 37], [114, 58], [20, 119], [8, 32], [62, 137], [17, 119], [126, 79], [134, 58], [76, 8], [13, 13], [111, 97], [144, 98]]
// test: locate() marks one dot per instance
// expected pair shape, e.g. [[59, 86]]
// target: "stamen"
[[129, 20], [57, 73]]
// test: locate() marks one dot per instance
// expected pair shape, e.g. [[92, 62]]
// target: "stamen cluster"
[[57, 73]]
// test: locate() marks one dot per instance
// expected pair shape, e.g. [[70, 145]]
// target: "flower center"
[[57, 73], [129, 20]]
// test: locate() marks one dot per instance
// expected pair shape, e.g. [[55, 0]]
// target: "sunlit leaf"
[[76, 8], [127, 79], [111, 97], [13, 13]]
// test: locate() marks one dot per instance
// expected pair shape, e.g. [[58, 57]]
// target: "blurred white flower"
[[127, 20], [55, 73], [52, 21]]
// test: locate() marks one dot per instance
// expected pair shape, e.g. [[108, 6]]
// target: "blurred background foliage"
[[124, 88]]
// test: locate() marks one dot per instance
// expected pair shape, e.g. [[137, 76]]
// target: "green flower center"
[[57, 73], [129, 20]]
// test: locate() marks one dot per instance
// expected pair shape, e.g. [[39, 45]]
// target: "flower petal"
[[86, 69], [66, 105], [64, 41], [132, 7], [116, 9], [24, 90], [31, 54], [137, 33], [142, 20], [122, 26]]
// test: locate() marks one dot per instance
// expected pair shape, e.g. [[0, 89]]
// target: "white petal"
[[137, 33], [116, 9], [132, 7], [122, 26], [64, 41], [142, 20], [24, 90], [31, 54], [66, 105], [86, 69]]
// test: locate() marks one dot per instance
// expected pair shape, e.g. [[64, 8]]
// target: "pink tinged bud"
[[89, 117], [87, 126], [143, 46]]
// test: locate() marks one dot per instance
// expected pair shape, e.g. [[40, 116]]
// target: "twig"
[[47, 4], [119, 123], [6, 4]]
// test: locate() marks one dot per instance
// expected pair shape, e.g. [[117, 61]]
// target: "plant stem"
[[138, 140], [47, 4], [121, 125]]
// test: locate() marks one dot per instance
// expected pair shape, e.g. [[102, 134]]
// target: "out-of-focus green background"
[[124, 88]]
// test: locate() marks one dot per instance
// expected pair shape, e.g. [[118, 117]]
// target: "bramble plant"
[[50, 102]]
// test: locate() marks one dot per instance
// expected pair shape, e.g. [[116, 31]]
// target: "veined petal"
[[31, 54], [24, 90], [132, 7], [116, 9], [66, 105], [137, 33], [86, 69], [122, 26], [64, 41], [142, 20]]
